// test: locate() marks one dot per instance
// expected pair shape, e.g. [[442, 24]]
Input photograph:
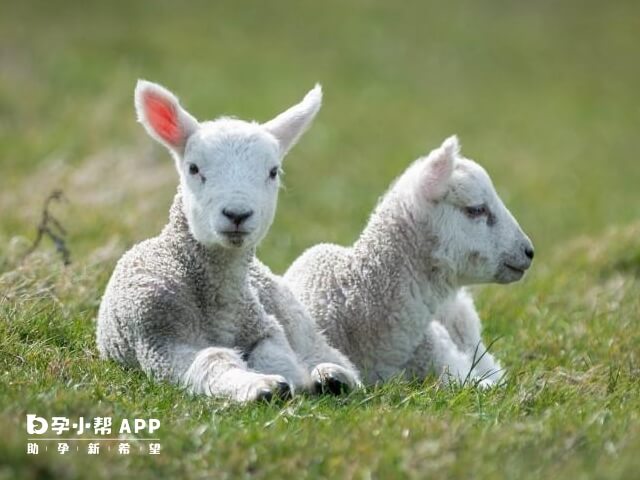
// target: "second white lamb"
[[394, 302]]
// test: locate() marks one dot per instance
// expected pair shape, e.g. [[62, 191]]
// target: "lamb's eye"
[[193, 169], [273, 173], [475, 211]]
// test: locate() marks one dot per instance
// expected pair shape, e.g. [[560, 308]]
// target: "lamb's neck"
[[228, 264], [395, 248]]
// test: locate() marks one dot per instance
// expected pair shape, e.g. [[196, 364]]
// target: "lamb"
[[184, 306], [395, 301]]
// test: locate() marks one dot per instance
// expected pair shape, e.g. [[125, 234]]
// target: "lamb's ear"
[[439, 166], [291, 124], [162, 116]]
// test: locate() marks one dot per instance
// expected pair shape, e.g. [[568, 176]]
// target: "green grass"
[[545, 95]]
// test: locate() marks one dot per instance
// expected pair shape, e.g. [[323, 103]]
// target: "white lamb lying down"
[[393, 302], [183, 306]]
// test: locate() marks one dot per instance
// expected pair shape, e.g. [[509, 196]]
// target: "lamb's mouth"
[[235, 237], [517, 270]]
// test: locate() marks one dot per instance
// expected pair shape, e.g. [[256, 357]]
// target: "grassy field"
[[544, 94]]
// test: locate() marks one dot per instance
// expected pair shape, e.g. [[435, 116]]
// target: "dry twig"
[[50, 227]]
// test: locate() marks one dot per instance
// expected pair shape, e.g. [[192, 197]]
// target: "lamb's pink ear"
[[289, 126], [439, 166], [162, 116]]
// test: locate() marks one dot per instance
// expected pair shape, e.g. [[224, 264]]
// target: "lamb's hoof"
[[332, 385], [284, 391], [281, 391], [333, 379], [264, 396]]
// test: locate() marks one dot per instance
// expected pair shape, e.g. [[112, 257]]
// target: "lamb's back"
[[350, 301]]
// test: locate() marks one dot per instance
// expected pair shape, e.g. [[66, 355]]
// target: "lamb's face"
[[477, 235], [230, 179], [484, 237], [229, 169]]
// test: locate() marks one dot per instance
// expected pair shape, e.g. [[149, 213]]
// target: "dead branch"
[[49, 226]]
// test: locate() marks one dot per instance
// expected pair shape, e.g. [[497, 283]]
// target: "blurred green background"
[[545, 95]]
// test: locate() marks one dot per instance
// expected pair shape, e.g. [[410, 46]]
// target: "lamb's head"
[[477, 237], [229, 169]]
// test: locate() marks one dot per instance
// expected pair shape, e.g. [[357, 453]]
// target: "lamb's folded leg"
[[330, 370], [221, 372], [461, 320], [438, 354], [212, 371], [273, 354], [167, 346]]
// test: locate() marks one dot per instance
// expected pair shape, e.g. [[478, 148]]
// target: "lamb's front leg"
[[273, 354], [212, 371], [460, 318], [221, 372], [168, 347], [438, 354], [330, 370]]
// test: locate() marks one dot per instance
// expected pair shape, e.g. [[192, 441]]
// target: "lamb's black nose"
[[528, 251], [237, 217]]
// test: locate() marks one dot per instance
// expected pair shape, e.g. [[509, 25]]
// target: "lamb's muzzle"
[[237, 217]]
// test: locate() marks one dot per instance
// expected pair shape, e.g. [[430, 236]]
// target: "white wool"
[[193, 305], [394, 301]]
